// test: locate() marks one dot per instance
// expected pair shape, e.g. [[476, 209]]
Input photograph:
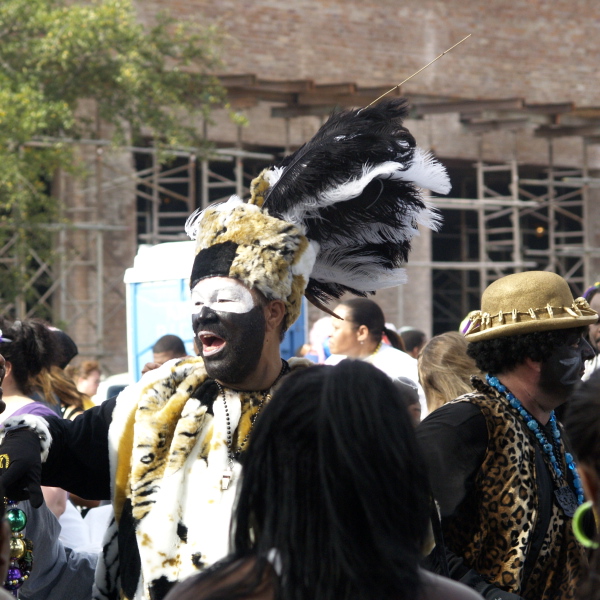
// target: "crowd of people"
[[400, 467]]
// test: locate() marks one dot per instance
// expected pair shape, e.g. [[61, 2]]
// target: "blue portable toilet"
[[158, 303]]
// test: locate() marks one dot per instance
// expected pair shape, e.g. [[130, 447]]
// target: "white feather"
[[339, 193], [430, 218], [361, 273], [273, 175], [426, 172]]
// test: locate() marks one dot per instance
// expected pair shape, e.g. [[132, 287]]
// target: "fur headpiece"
[[335, 216]]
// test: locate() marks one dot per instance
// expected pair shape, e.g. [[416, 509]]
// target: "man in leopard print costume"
[[506, 486]]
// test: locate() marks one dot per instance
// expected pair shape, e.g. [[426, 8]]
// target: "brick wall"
[[540, 51]]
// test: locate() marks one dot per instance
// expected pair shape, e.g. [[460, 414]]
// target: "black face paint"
[[563, 370], [240, 338]]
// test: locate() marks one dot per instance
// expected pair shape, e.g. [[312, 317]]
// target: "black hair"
[[503, 354], [364, 311], [31, 349], [412, 338], [170, 343], [408, 389], [582, 425], [334, 481], [66, 348]]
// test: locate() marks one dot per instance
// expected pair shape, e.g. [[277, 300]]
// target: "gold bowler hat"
[[526, 302]]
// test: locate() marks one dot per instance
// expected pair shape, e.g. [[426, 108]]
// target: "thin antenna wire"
[[421, 69]]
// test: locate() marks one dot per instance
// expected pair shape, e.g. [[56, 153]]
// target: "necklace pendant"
[[226, 478], [566, 500]]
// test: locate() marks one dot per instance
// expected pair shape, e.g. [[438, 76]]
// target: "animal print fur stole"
[[167, 445]]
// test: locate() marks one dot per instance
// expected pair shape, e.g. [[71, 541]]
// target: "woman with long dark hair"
[[334, 502]]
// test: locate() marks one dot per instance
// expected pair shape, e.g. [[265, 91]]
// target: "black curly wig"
[[505, 353]]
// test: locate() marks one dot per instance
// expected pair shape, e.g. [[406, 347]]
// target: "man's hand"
[[21, 466], [150, 366]]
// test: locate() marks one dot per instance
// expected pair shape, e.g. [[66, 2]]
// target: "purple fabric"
[[35, 408]]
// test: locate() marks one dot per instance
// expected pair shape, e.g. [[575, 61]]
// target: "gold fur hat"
[[239, 240], [527, 302]]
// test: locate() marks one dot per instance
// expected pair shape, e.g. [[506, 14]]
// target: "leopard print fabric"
[[494, 530]]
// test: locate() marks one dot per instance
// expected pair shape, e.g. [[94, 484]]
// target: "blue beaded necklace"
[[546, 446]]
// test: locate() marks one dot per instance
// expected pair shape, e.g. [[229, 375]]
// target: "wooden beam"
[[321, 98], [295, 86], [587, 112], [291, 112], [375, 92], [556, 131], [239, 102], [343, 89], [237, 80], [260, 94], [549, 109], [468, 106], [509, 115], [495, 125]]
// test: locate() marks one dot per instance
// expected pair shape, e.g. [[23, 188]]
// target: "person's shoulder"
[[436, 587], [395, 363], [231, 576], [334, 359], [40, 409], [455, 413], [297, 362], [390, 351]]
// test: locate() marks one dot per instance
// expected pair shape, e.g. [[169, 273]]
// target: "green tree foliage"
[[58, 59]]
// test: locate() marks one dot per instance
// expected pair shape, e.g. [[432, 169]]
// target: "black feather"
[[337, 153], [363, 220]]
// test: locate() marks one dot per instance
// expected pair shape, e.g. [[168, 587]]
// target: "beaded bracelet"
[[21, 549]]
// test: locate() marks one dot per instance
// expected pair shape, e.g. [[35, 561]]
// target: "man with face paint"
[[168, 451], [505, 483], [229, 324]]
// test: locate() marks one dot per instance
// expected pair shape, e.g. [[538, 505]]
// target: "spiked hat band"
[[527, 302]]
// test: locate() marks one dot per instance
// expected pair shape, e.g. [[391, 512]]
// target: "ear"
[[362, 333], [7, 368], [274, 314], [534, 365]]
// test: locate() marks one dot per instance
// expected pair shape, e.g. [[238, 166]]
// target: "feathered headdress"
[[336, 216]]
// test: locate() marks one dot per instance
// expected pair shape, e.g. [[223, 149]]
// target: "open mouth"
[[211, 343]]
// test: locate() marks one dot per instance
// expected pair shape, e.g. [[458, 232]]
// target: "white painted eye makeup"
[[222, 294]]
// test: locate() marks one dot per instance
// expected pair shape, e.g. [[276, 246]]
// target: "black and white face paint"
[[565, 367], [222, 294], [229, 327]]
